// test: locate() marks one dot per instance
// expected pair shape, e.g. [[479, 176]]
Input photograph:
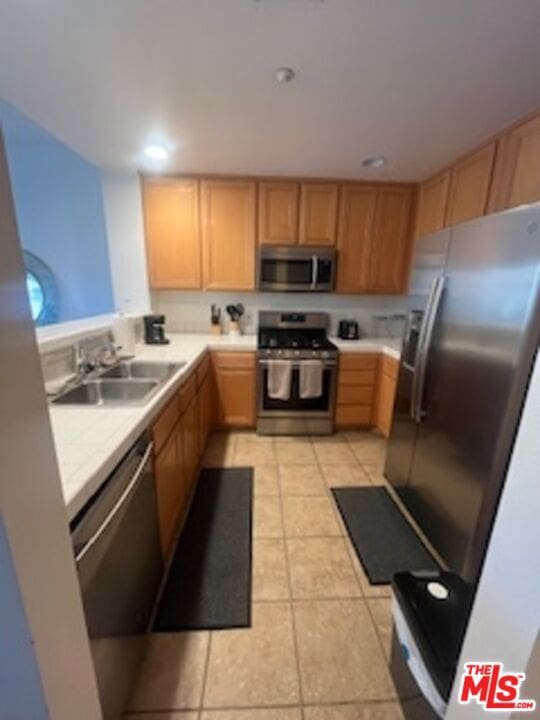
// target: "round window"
[[42, 290]]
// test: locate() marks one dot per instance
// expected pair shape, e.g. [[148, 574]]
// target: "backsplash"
[[189, 311]]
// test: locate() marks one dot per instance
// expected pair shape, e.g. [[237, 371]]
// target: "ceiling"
[[419, 81]]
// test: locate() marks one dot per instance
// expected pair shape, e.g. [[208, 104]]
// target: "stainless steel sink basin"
[[142, 369], [109, 392]]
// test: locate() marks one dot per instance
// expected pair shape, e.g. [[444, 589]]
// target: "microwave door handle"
[[118, 504], [314, 271], [428, 326]]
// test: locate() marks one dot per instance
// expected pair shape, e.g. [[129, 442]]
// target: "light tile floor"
[[318, 647]]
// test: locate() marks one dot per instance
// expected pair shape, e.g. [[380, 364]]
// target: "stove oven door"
[[322, 406]]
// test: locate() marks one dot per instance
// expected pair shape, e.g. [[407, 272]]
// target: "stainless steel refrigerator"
[[472, 332]]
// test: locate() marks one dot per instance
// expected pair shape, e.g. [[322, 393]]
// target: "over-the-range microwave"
[[296, 269]]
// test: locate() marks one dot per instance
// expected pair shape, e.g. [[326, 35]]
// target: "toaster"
[[348, 330]]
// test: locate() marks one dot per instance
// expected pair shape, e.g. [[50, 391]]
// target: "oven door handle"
[[314, 271], [296, 363], [118, 504]]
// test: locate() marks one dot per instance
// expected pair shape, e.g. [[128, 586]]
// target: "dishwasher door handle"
[[118, 504]]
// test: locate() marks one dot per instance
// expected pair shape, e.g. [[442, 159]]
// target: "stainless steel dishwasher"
[[117, 552]]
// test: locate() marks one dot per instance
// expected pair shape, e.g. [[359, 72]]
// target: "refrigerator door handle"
[[424, 346], [419, 347]]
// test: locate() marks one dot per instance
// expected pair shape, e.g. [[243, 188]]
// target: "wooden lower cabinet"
[[170, 490], [236, 388], [386, 391], [206, 408], [357, 376]]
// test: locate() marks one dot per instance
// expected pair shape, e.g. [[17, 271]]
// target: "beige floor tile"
[[247, 452], [368, 590], [375, 475], [381, 612], [301, 480], [180, 715], [266, 480], [295, 452], [355, 711], [337, 453], [369, 449], [171, 675], [309, 517], [270, 578], [256, 666], [284, 713], [219, 451], [339, 653], [267, 519], [339, 437], [345, 475], [251, 436], [321, 568]]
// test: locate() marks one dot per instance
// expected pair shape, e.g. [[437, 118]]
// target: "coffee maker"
[[154, 332]]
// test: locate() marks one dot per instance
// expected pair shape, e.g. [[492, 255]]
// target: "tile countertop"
[[90, 441]]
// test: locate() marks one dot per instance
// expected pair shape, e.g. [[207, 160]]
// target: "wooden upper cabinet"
[[318, 213], [173, 245], [516, 178], [469, 186], [432, 204], [228, 232], [278, 213], [356, 216], [391, 240]]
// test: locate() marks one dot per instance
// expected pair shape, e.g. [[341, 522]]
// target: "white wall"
[[189, 311], [125, 231], [505, 619], [34, 515]]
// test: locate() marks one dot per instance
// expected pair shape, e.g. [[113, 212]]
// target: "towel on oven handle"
[[279, 379], [311, 379]]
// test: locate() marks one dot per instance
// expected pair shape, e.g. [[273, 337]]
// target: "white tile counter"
[[90, 441]]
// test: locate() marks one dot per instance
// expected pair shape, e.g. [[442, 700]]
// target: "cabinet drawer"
[[357, 361], [164, 424], [355, 395], [389, 366], [202, 369], [234, 360], [353, 415], [356, 377], [187, 392]]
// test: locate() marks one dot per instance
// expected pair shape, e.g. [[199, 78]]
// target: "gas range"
[[294, 336], [297, 337]]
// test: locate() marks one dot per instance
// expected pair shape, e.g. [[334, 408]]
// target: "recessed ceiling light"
[[374, 161], [284, 74], [156, 152]]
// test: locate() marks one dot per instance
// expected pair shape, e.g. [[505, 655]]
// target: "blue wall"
[[59, 206]]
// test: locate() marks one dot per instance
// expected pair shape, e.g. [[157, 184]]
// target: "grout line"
[[205, 673], [293, 620]]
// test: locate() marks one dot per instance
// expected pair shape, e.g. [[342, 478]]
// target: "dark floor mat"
[[209, 581], [383, 539]]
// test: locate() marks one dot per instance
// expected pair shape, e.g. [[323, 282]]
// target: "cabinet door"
[[235, 382], [432, 204], [469, 186], [390, 247], [516, 178], [318, 213], [384, 409], [278, 213], [206, 410], [190, 441], [173, 242], [169, 490], [356, 216], [228, 231]]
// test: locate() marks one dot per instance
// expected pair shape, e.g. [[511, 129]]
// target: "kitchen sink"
[[109, 392], [142, 369]]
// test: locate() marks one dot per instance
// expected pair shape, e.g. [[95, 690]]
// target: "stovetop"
[[295, 343]]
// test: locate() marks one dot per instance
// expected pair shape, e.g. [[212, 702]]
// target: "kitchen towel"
[[279, 379], [311, 379]]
